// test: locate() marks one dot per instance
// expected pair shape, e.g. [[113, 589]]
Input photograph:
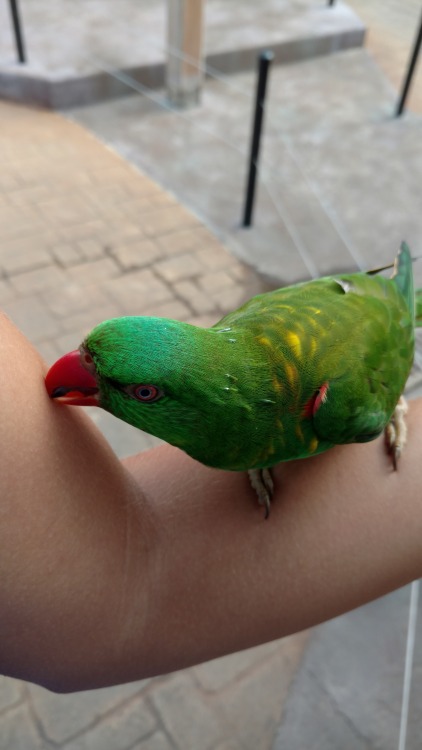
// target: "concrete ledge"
[[295, 37]]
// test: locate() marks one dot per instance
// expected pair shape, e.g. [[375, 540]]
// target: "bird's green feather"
[[289, 374]]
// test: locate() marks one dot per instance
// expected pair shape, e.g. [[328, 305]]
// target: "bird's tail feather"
[[418, 308], [403, 275]]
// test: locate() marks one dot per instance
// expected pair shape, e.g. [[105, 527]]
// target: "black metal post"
[[410, 71], [331, 2], [264, 61], [17, 29]]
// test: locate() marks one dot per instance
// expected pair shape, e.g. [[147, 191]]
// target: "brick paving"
[[84, 236]]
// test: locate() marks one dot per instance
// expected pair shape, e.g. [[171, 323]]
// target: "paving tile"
[[349, 684], [135, 210], [67, 210], [179, 242], [214, 257], [67, 342], [179, 267], [74, 298], [157, 741], [82, 230], [65, 716], [33, 317], [100, 270], [205, 321], [118, 731], [10, 692], [40, 279], [215, 281], [167, 219], [197, 299], [90, 249], [17, 731], [267, 687], [66, 254], [173, 309], [7, 292], [86, 320], [136, 291], [25, 253], [217, 674], [24, 194], [230, 298], [9, 182], [117, 171], [187, 717], [136, 254], [121, 228], [49, 351]]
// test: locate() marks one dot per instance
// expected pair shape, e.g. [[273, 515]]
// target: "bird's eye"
[[146, 393], [86, 360]]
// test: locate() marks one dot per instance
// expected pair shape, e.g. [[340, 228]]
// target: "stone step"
[[68, 58]]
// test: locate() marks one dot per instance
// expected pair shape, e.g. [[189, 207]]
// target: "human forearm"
[[113, 573], [344, 528]]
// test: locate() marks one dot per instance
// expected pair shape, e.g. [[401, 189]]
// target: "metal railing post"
[[410, 71], [17, 30], [264, 61]]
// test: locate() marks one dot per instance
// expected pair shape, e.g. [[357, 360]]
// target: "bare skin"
[[115, 571]]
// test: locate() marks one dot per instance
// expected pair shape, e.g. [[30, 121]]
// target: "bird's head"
[[145, 371]]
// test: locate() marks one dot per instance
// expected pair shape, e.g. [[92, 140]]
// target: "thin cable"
[[162, 102], [157, 99], [408, 666], [326, 207], [210, 71], [290, 226]]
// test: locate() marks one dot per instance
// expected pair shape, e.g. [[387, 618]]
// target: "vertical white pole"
[[185, 37], [408, 665]]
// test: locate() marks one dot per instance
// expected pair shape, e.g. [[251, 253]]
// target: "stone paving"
[[71, 43]]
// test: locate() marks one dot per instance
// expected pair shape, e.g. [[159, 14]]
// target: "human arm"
[[115, 571]]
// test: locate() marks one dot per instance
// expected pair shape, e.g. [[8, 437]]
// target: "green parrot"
[[288, 375]]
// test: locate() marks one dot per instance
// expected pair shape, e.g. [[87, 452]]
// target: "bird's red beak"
[[71, 383]]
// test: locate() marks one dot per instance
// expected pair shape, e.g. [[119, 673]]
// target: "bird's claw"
[[396, 431], [262, 482]]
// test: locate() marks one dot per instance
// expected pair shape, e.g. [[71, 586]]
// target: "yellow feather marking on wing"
[[279, 425], [265, 341], [314, 346], [277, 385], [313, 445], [270, 449], [291, 373], [299, 433], [295, 342]]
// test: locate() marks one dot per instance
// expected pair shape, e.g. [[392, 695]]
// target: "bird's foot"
[[396, 431], [262, 482]]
